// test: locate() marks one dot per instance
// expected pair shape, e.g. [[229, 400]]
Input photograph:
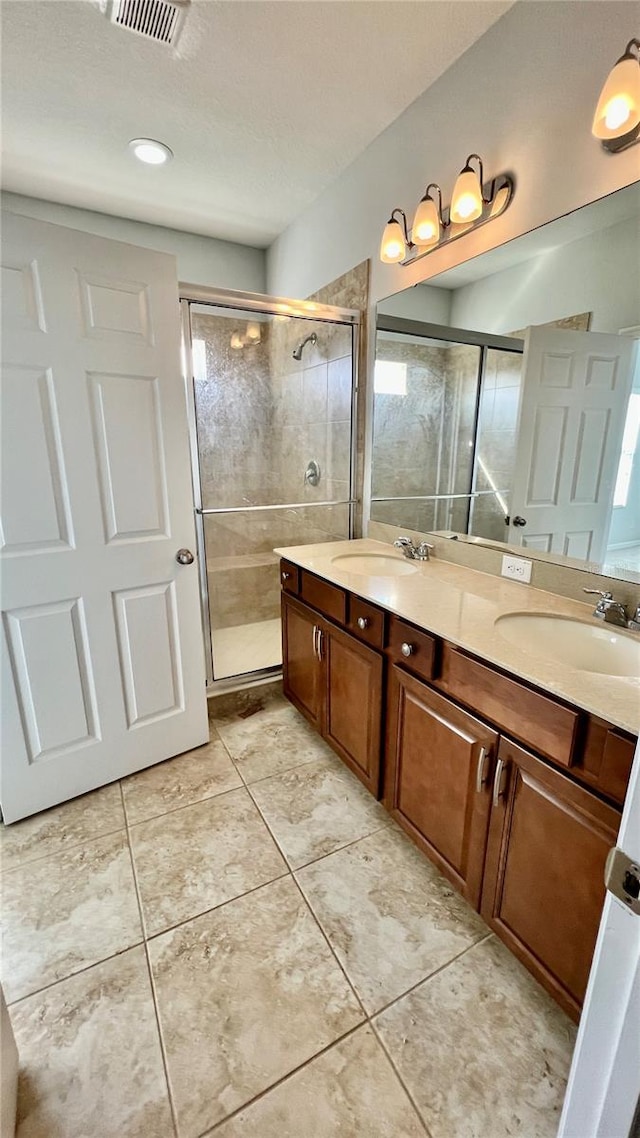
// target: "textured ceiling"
[[264, 103]]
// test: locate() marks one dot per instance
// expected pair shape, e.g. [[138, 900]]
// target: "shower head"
[[297, 352]]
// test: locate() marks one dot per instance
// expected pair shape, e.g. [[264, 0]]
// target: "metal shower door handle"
[[184, 557]]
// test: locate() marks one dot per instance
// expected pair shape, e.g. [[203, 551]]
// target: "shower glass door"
[[273, 400]]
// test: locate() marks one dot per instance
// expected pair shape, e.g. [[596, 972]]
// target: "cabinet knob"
[[286, 576], [407, 649], [363, 622]]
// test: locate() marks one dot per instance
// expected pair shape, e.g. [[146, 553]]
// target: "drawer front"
[[366, 622], [290, 577], [527, 715], [414, 649], [321, 595]]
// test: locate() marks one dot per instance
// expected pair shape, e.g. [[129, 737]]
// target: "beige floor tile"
[[272, 741], [482, 1048], [196, 858], [188, 778], [65, 912], [391, 917], [316, 808], [90, 1061], [350, 1091], [62, 827], [240, 704], [245, 994]]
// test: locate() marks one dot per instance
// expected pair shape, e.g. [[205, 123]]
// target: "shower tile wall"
[[497, 438], [262, 416]]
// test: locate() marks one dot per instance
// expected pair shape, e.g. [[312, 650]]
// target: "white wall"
[[599, 273], [522, 97], [420, 303], [201, 260]]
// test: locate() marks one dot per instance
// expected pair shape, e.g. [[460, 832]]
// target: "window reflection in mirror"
[[507, 395]]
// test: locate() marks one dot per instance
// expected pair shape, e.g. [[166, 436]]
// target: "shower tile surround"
[[336, 984]]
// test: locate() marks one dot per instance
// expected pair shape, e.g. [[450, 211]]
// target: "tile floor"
[[239, 942]]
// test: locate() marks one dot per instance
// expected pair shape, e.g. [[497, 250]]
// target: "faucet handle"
[[604, 596]]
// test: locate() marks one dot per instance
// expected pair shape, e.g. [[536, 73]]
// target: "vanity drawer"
[[321, 595], [421, 657], [528, 715], [290, 577], [366, 622]]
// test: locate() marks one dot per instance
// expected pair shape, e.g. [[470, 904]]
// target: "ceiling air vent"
[[159, 20]]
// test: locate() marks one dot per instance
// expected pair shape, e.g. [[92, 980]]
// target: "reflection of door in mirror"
[[575, 394]]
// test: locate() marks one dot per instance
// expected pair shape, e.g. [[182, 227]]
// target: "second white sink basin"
[[588, 647], [373, 564]]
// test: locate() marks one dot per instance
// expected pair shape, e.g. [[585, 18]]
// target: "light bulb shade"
[[466, 202], [393, 246], [618, 109], [236, 341], [253, 332], [426, 224]]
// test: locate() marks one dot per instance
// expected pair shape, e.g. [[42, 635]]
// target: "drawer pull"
[[286, 576], [482, 770], [316, 635], [363, 622], [407, 649], [499, 781]]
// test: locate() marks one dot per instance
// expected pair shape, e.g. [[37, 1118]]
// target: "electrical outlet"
[[517, 568]]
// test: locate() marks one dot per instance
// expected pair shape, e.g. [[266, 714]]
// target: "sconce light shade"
[[617, 114], [466, 201], [426, 224], [393, 245], [253, 332], [236, 341]]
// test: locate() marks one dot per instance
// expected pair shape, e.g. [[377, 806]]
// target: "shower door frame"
[[273, 306]]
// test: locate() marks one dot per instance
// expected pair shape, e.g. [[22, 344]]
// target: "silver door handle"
[[320, 641], [407, 649], [363, 622], [315, 641], [499, 781], [184, 557], [482, 770]]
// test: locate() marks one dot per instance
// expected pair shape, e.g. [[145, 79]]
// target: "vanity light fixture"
[[252, 336], [150, 151], [617, 119], [474, 202]]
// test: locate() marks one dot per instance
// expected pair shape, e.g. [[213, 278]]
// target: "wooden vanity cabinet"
[[438, 769], [336, 682], [543, 888]]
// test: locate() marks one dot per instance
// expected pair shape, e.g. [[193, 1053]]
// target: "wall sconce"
[[252, 336], [617, 119], [473, 203]]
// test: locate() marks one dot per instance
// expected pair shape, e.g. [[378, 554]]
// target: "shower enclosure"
[[271, 388]]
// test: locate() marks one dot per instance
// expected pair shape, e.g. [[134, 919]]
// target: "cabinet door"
[[353, 703], [300, 656], [439, 767], [543, 886]]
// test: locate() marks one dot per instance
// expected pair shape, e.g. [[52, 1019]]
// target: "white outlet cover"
[[516, 569]]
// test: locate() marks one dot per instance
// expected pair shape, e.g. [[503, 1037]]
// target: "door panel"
[[544, 878], [353, 708], [301, 663], [574, 398], [96, 500], [439, 762]]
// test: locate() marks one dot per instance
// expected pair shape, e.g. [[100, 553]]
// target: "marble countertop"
[[461, 605]]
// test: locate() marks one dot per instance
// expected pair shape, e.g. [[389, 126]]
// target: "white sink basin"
[[373, 564], [588, 647]]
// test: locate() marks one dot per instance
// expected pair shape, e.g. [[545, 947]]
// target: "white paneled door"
[[574, 400], [102, 652]]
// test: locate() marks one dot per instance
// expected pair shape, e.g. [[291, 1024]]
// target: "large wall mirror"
[[507, 395]]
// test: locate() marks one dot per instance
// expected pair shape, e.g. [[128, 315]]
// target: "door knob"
[[518, 521], [184, 557]]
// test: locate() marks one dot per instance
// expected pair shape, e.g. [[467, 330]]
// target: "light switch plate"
[[517, 568]]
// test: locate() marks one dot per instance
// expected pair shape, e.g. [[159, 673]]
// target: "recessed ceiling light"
[[149, 151]]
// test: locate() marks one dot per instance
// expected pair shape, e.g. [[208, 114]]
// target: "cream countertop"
[[461, 605]]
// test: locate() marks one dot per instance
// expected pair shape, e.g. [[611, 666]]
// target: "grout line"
[[64, 849], [399, 1077], [282, 1079], [129, 825], [339, 849], [214, 908], [430, 975], [71, 975], [154, 997]]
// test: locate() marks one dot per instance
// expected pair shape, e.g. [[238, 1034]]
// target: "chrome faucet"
[[414, 552], [614, 612]]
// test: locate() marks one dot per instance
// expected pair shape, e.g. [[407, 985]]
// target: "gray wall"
[[522, 97], [201, 260]]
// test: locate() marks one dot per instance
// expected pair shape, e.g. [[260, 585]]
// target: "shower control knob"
[[363, 622], [184, 557], [407, 649]]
